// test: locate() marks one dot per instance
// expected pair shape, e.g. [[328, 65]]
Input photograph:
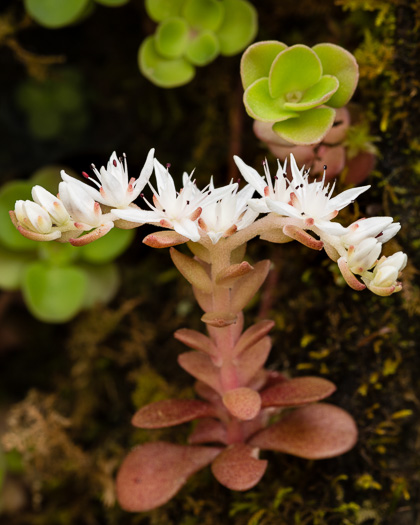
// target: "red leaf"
[[312, 432], [252, 359], [237, 468], [243, 403], [208, 431], [252, 335], [247, 286], [153, 473], [170, 412], [196, 340], [201, 367], [298, 391]]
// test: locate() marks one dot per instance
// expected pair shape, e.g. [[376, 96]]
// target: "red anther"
[[168, 165], [114, 162], [266, 191], [85, 175]]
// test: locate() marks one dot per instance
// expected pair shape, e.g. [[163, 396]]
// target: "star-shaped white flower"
[[115, 189], [229, 214], [172, 209]]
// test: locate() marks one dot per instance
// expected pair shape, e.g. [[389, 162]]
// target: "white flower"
[[33, 217], [380, 228], [279, 191], [310, 202], [82, 208], [383, 279], [364, 255], [170, 209], [52, 205], [115, 189], [229, 214]]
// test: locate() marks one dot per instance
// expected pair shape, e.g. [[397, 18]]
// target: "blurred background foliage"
[[70, 96]]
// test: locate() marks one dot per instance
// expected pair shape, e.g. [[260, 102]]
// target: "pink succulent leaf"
[[164, 239], [235, 329], [201, 367], [252, 335], [153, 473], [229, 276], [274, 378], [303, 237], [192, 270], [170, 412], [95, 234], [219, 319], [204, 300], [348, 275], [313, 432], [360, 167], [238, 468], [252, 360], [242, 403], [246, 287], [196, 340], [298, 391], [208, 431], [208, 393]]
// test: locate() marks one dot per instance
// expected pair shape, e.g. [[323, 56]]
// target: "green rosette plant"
[[55, 14], [297, 88], [57, 280], [193, 33]]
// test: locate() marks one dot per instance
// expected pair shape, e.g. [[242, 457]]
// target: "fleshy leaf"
[[219, 319], [153, 473], [252, 335], [55, 13], [298, 391], [203, 14], [208, 431], [161, 71], [170, 412], [229, 275], [313, 432], [257, 59], [261, 106], [239, 26], [9, 235], [102, 283], [202, 49], [192, 271], [204, 300], [12, 266], [315, 95], [159, 10], [201, 367], [310, 128], [195, 340], [342, 64], [276, 235], [247, 286], [53, 294], [112, 3], [238, 468], [171, 37], [242, 403], [252, 359], [164, 239], [297, 68]]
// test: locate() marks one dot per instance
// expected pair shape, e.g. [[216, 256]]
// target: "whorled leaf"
[[238, 467], [242, 403], [252, 335], [202, 49], [260, 105], [257, 59], [316, 95], [192, 270], [196, 340], [247, 286], [313, 432], [201, 367], [171, 412], [298, 391], [309, 128], [55, 13], [251, 360], [159, 10], [171, 37], [204, 14], [238, 28], [153, 473], [208, 431]]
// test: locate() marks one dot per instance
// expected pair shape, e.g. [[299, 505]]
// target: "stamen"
[[114, 162], [85, 175]]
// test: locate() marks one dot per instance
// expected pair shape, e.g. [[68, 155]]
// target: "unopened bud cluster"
[[81, 214]]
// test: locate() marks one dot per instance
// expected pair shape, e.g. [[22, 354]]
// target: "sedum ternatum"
[[238, 396]]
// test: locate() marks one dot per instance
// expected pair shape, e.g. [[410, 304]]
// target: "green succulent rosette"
[[57, 280], [193, 33], [297, 88]]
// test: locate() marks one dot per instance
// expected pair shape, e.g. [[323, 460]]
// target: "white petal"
[[187, 228], [140, 216], [283, 209], [343, 199], [250, 175], [145, 174], [332, 228]]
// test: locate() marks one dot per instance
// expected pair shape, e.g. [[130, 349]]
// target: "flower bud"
[[51, 204], [33, 217], [380, 228], [364, 255], [81, 206]]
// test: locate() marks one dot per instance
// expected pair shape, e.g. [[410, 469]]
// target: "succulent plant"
[[193, 33], [297, 88]]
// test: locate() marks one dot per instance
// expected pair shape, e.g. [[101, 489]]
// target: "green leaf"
[[102, 284], [203, 49], [297, 68], [53, 294], [161, 71], [257, 59], [57, 253], [309, 128], [261, 106], [49, 177], [340, 63], [108, 247], [9, 235], [239, 26], [316, 94], [171, 37], [159, 10], [12, 266], [203, 14], [55, 13], [112, 3]]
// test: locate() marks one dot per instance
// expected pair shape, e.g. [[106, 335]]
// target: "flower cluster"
[[82, 214]]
